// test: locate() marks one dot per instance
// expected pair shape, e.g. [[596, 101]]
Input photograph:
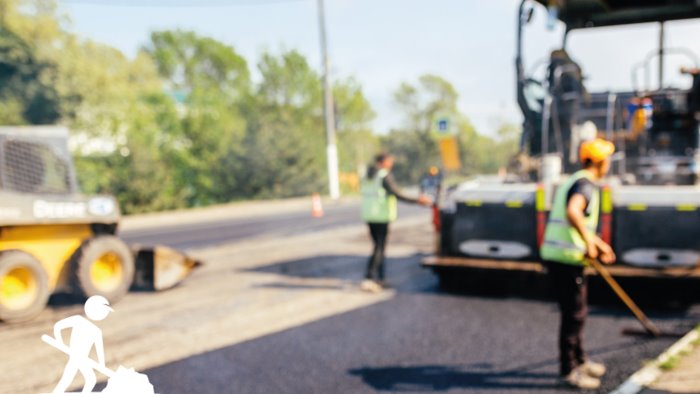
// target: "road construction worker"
[[570, 238], [694, 96], [379, 208], [430, 182]]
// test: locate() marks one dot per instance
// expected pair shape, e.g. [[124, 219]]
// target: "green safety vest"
[[562, 242], [378, 206]]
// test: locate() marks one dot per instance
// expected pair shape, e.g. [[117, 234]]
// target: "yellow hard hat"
[[596, 150], [434, 170]]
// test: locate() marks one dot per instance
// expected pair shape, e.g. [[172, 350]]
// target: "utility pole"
[[661, 55], [328, 110]]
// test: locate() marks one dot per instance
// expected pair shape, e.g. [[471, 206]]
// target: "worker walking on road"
[[570, 238], [379, 208]]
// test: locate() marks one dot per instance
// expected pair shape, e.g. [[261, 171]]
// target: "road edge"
[[231, 210], [650, 372]]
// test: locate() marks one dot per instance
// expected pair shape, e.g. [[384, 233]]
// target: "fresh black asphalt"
[[423, 340], [487, 337], [212, 233]]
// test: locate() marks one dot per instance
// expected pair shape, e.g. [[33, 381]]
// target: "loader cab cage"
[[655, 130], [36, 162]]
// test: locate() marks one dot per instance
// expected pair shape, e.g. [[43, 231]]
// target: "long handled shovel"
[[650, 327]]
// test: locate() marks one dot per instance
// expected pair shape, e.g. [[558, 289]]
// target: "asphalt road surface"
[[212, 233], [421, 340], [484, 338], [276, 309]]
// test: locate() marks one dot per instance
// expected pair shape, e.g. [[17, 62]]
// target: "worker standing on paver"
[[379, 208], [570, 238], [430, 182]]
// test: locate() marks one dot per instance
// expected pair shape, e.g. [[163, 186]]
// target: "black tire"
[[103, 266], [17, 270]]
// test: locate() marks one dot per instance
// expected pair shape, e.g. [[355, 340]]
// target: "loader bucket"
[[160, 267]]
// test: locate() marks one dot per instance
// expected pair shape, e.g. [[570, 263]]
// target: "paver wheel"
[[104, 266], [24, 286]]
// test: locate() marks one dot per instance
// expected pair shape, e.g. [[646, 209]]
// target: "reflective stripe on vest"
[[562, 242], [559, 222], [378, 206]]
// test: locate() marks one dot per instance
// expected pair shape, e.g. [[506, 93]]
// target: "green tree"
[[215, 82], [412, 143], [120, 121], [354, 115], [416, 149], [27, 75], [181, 124], [127, 126], [284, 148]]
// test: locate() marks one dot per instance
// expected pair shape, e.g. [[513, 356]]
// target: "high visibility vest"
[[562, 242], [378, 206]]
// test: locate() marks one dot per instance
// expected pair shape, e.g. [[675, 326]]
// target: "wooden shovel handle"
[[648, 325]]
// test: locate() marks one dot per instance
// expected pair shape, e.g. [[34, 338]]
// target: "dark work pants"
[[571, 290], [375, 265]]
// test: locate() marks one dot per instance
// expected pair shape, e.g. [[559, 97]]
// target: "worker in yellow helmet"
[[570, 238]]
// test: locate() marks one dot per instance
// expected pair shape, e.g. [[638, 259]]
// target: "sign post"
[[445, 131]]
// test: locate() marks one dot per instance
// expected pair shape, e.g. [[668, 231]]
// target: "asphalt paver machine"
[[650, 209], [54, 239]]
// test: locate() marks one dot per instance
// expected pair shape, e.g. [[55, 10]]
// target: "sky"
[[382, 43]]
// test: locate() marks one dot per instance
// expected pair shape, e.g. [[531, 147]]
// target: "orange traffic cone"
[[316, 206]]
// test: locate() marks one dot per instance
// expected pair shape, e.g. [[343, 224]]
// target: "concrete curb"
[[648, 374]]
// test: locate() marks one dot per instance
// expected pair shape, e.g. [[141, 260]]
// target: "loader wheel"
[[103, 266], [24, 286]]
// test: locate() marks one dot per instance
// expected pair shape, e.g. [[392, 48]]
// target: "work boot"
[[371, 286], [579, 379], [593, 369]]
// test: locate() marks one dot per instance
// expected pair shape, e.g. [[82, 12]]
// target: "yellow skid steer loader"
[[53, 239]]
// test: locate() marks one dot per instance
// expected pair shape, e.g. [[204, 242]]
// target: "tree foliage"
[[27, 77], [214, 82], [354, 115], [416, 149], [183, 123]]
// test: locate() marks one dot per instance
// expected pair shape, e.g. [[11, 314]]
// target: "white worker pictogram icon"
[[83, 337]]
